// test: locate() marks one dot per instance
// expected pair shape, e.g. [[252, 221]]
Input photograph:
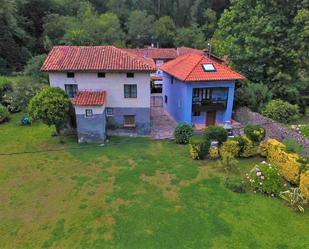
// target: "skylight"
[[209, 67]]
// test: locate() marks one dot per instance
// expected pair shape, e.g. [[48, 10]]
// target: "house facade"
[[198, 90], [109, 87]]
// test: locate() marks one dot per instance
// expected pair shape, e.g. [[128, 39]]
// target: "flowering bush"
[[214, 153], [230, 146], [304, 184], [265, 178], [288, 163], [246, 147], [255, 132], [199, 147]]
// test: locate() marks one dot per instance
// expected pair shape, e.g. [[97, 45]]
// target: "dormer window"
[[70, 75], [130, 75], [209, 67]]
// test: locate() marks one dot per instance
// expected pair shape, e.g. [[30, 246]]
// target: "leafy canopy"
[[51, 106]]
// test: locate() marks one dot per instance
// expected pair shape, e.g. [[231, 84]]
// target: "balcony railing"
[[209, 104]]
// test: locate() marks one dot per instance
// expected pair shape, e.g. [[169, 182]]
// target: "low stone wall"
[[273, 129]]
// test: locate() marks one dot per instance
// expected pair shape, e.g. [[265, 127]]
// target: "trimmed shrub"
[[230, 146], [246, 146], [217, 133], [255, 132], [265, 178], [304, 184], [199, 147], [281, 111], [236, 185], [4, 114], [287, 163], [183, 133], [214, 153], [292, 146]]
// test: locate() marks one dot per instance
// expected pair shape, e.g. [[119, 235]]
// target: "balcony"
[[209, 105]]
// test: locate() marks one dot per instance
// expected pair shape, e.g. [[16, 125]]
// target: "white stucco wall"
[[81, 110], [113, 84]]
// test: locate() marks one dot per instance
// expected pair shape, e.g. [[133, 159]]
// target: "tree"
[[140, 28], [210, 22], [253, 95], [164, 30], [191, 37], [87, 28], [260, 40], [51, 106], [33, 68]]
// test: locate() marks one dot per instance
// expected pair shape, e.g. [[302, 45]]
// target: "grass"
[[131, 193]]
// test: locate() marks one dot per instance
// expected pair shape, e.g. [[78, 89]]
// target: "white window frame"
[[91, 113], [109, 112]]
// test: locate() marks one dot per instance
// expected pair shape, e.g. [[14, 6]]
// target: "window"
[[129, 121], [202, 94], [209, 67], [89, 113], [101, 75], [196, 114], [70, 75], [172, 80], [130, 91], [109, 111], [165, 99], [71, 90], [130, 75]]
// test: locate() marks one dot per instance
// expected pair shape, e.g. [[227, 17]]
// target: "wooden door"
[[210, 118]]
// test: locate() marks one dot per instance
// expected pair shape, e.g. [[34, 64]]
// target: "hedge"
[[199, 147]]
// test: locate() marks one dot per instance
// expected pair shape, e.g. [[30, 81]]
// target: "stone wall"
[[273, 129]]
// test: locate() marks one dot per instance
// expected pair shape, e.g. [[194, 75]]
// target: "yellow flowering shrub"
[[287, 163], [304, 184], [231, 147], [248, 148], [214, 153]]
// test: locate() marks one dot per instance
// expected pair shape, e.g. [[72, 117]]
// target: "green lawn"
[[132, 193]]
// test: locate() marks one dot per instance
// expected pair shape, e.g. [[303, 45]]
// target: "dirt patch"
[[113, 169], [132, 163], [117, 203], [202, 174], [103, 189], [164, 182]]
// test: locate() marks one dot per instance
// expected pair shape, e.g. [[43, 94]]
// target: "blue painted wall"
[[179, 99]]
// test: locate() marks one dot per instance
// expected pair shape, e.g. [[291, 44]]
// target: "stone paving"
[[162, 124]]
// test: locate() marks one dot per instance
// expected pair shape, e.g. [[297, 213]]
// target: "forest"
[[266, 40]]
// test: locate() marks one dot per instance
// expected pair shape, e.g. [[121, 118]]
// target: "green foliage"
[[183, 133], [229, 163], [199, 147], [294, 198], [4, 114], [5, 86], [305, 130], [255, 96], [231, 147], [281, 111], [18, 98], [246, 146], [217, 133], [33, 68], [51, 106], [235, 184], [87, 28], [140, 28], [292, 146], [165, 30], [253, 33], [255, 132], [265, 178], [191, 37]]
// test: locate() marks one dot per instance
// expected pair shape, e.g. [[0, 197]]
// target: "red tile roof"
[[94, 58], [90, 98], [156, 77], [187, 50], [189, 68], [153, 53]]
